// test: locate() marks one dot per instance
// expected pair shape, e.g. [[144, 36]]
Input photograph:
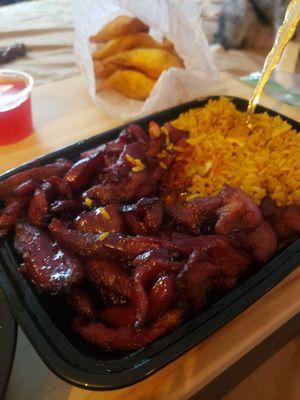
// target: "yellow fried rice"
[[223, 151]]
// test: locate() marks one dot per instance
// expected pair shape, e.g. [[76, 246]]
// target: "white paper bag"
[[177, 20]]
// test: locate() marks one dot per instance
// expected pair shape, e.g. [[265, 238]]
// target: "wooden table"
[[63, 114]]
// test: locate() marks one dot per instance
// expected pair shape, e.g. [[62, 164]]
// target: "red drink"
[[15, 106]]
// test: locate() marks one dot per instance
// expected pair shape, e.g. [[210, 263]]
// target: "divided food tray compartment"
[[45, 319]]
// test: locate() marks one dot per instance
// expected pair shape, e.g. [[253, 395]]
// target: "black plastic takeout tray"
[[45, 319]]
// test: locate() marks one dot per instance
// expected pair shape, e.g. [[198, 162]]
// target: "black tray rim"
[[12, 331], [16, 289]]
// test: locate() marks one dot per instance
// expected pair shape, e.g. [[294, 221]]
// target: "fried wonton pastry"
[[133, 84], [103, 70], [151, 62], [129, 42], [120, 26]]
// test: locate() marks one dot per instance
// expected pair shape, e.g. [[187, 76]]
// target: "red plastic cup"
[[15, 106]]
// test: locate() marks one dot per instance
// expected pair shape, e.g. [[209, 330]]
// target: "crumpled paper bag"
[[179, 21]]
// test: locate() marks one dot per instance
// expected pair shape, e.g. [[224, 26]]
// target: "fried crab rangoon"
[[131, 83], [128, 60], [103, 71], [129, 42], [120, 26], [150, 61]]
